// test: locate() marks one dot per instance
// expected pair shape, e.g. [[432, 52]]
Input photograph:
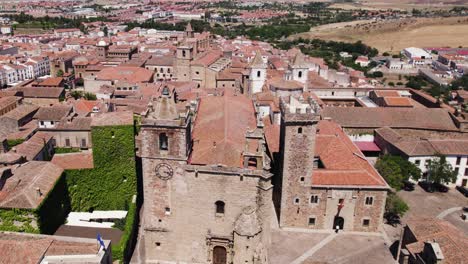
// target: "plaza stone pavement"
[[325, 246]]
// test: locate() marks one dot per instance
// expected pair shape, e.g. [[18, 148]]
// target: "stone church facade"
[[199, 207]]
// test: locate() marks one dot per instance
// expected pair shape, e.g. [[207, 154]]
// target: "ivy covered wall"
[[111, 184], [45, 219]]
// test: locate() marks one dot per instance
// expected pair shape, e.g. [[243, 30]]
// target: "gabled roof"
[[53, 113], [344, 164], [395, 117], [257, 62], [29, 184], [452, 241], [220, 129], [299, 62]]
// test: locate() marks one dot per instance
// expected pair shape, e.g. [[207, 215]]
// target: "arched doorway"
[[338, 221], [219, 255]]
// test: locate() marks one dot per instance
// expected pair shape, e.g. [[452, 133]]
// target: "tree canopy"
[[395, 205], [440, 171], [396, 169]]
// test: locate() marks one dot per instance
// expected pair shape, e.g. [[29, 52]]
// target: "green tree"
[[89, 96], [395, 205], [391, 172], [76, 94], [105, 30], [440, 171], [59, 73], [396, 169]]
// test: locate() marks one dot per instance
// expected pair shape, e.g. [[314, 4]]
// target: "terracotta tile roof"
[[71, 248], [282, 84], [208, 58], [423, 147], [32, 248], [385, 93], [363, 117], [33, 146], [343, 161], [272, 135], [53, 113], [228, 118], [452, 241], [74, 161], [77, 123], [22, 251], [21, 112], [7, 100], [52, 81], [168, 61], [398, 101], [21, 189], [113, 119], [129, 74], [41, 92], [344, 164]]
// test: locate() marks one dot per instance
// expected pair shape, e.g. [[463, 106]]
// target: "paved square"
[[316, 247]]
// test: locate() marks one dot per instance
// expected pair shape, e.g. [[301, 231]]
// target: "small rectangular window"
[[458, 160], [417, 162], [457, 170], [365, 222], [369, 200], [311, 221], [314, 199], [67, 142], [466, 172]]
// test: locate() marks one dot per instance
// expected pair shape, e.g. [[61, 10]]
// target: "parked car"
[[427, 186], [408, 186], [463, 190], [440, 187]]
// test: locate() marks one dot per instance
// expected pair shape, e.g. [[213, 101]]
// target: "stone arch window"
[[184, 53], [314, 199], [299, 130], [299, 74], [219, 207], [163, 142], [161, 70], [259, 73]]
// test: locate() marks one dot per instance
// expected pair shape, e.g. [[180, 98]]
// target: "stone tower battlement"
[[299, 110]]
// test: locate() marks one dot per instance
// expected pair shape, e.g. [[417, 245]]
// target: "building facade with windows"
[[421, 151], [326, 182], [206, 180]]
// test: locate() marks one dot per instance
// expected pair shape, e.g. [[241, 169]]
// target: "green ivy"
[[45, 219], [66, 150], [17, 220], [14, 142], [112, 183]]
